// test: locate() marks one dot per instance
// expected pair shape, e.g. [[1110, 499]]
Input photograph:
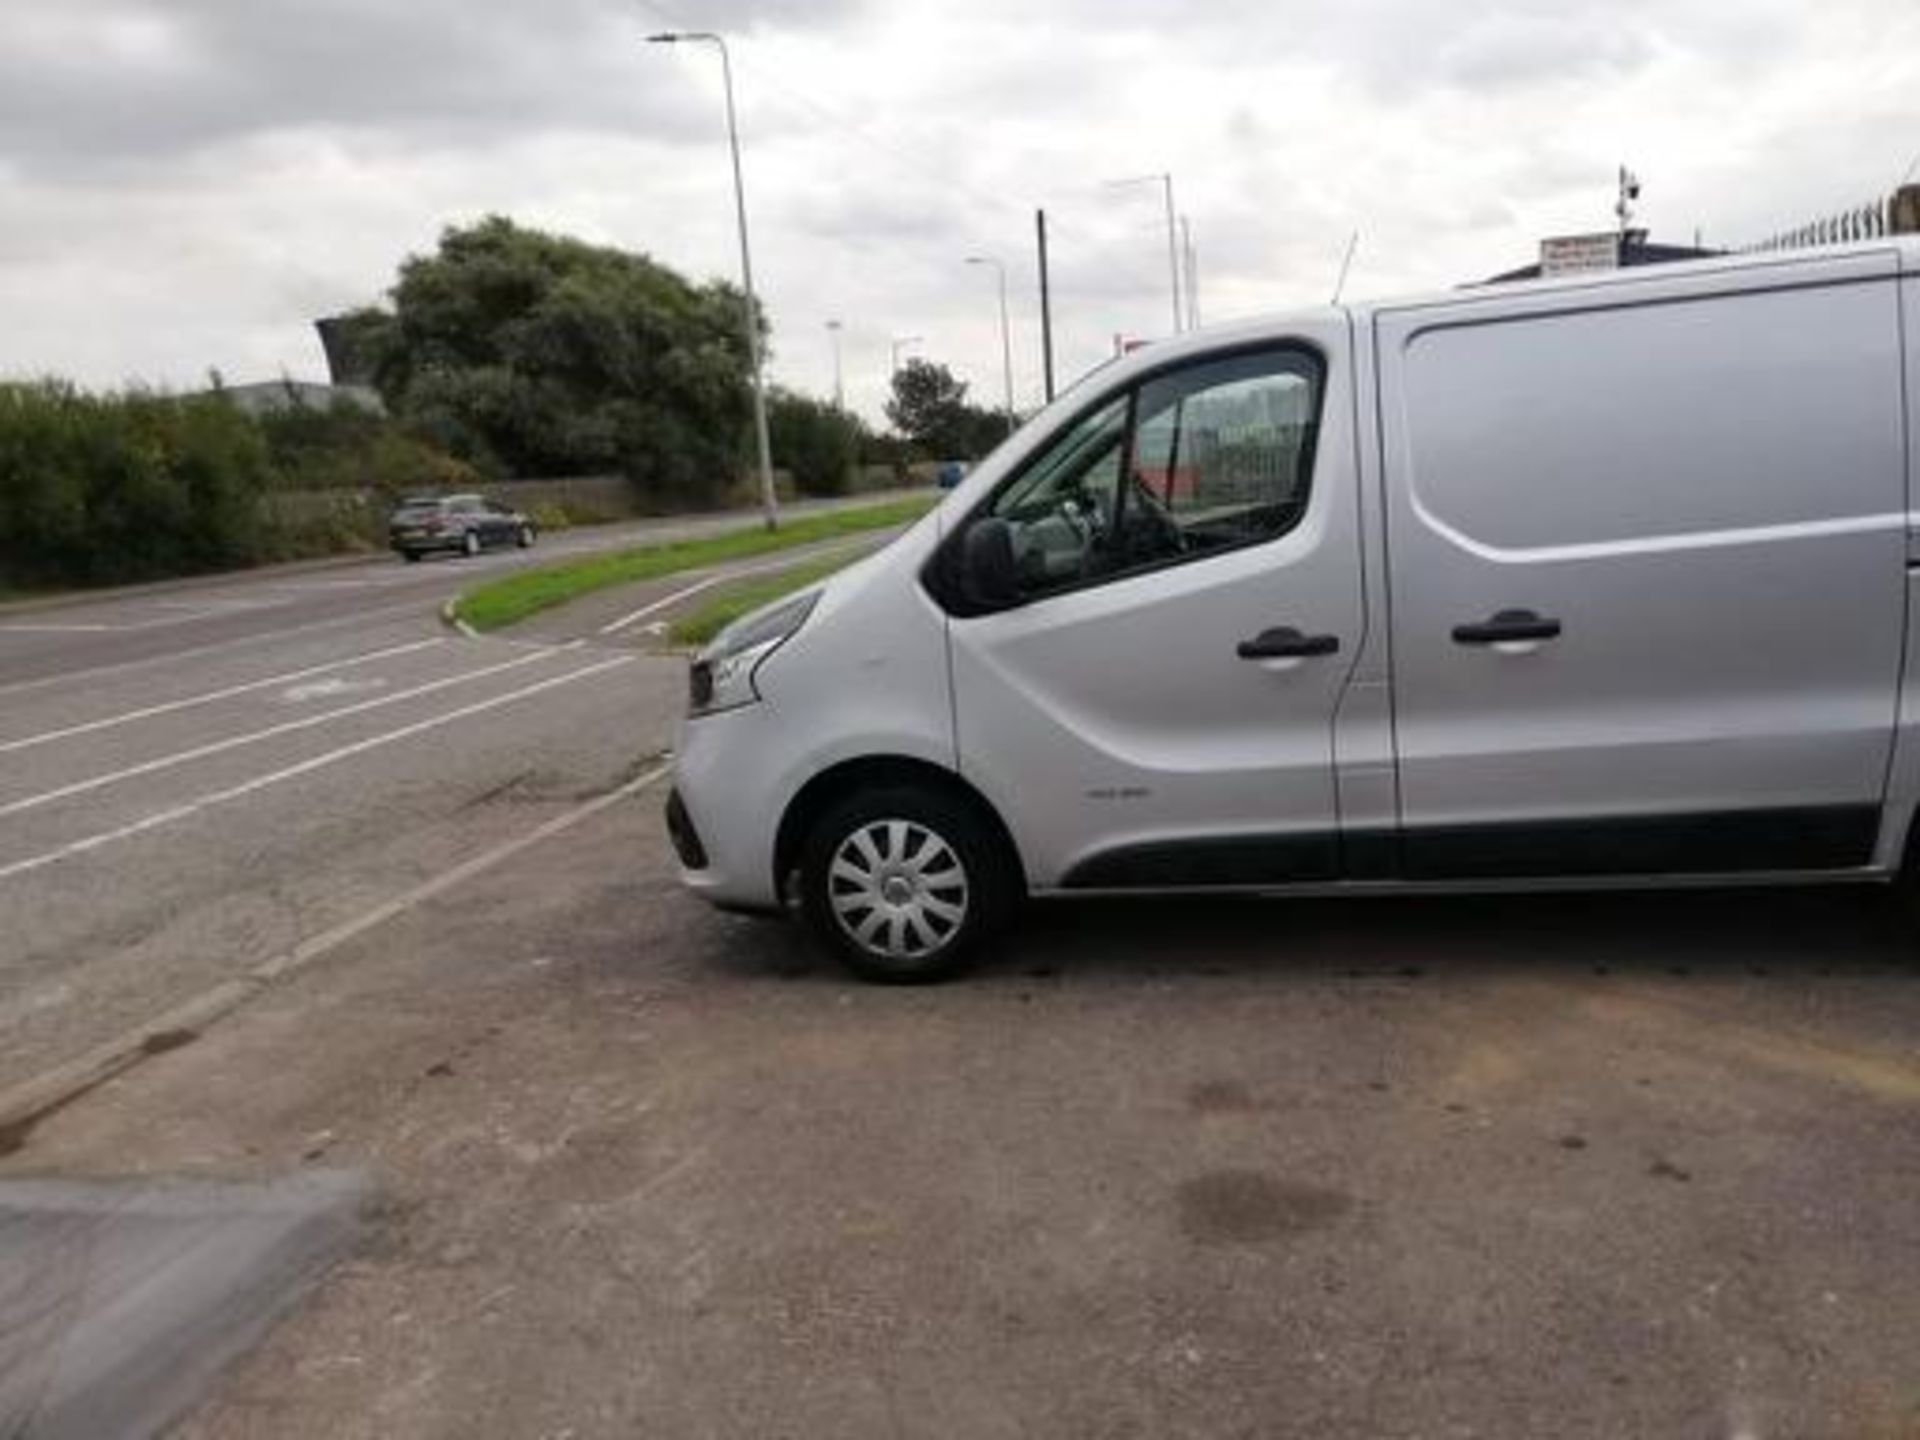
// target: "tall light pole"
[[839, 389], [1165, 182], [1192, 258], [769, 501], [1006, 336], [899, 343]]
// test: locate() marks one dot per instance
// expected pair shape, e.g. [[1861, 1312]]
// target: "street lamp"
[[899, 343], [1006, 340], [1165, 182], [839, 390], [769, 500]]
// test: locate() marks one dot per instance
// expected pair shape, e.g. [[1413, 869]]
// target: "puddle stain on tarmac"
[[1247, 1207], [1223, 1097]]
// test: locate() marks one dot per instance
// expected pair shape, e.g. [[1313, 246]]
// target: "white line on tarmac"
[[51, 1088], [286, 727], [614, 627], [28, 627], [654, 607], [387, 612], [305, 767], [208, 697]]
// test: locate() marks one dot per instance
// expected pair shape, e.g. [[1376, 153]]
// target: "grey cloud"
[[1402, 48], [1534, 50], [189, 74], [187, 181]]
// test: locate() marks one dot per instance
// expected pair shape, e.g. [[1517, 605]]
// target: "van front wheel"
[[904, 884]]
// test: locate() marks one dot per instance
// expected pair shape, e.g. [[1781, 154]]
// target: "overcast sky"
[[184, 184]]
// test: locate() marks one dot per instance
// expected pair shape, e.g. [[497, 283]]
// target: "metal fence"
[[1898, 214]]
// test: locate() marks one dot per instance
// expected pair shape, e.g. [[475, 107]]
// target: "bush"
[[347, 447], [101, 489], [814, 442], [129, 487]]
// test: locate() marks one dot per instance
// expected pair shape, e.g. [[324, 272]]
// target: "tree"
[[535, 354], [929, 407], [814, 442]]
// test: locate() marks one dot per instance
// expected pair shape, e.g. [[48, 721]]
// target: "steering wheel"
[[1085, 513], [1160, 528]]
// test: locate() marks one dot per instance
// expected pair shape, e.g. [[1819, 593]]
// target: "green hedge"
[[104, 489], [130, 487]]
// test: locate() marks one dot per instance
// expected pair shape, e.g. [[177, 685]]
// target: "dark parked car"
[[463, 523]]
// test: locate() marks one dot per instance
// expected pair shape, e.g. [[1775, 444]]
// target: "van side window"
[[1223, 452], [1185, 464]]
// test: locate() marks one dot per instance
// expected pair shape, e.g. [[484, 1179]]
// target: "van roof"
[[1252, 330], [1905, 247]]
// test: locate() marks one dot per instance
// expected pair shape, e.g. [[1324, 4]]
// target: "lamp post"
[[1165, 182], [839, 389], [768, 499], [1006, 339]]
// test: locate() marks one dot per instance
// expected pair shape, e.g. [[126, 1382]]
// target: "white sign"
[[1572, 254]]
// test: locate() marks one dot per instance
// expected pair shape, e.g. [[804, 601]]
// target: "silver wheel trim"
[[897, 889]]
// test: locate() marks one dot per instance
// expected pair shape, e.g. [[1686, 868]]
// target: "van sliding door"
[[1647, 572]]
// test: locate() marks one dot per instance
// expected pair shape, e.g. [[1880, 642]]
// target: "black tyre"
[[904, 884], [412, 557], [470, 543]]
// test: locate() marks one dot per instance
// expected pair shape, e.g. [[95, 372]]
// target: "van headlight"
[[721, 677]]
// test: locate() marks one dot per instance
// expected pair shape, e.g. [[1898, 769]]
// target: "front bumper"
[[681, 831], [728, 795]]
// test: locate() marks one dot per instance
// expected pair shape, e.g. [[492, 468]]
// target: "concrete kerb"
[[450, 617]]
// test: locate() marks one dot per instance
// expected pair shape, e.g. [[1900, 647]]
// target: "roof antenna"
[[1345, 260]]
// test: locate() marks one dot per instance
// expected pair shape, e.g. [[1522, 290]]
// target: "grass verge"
[[495, 603], [730, 602]]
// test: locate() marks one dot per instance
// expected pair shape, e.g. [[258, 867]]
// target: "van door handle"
[[1507, 625], [1284, 642]]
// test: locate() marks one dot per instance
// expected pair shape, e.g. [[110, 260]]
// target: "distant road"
[[218, 614]]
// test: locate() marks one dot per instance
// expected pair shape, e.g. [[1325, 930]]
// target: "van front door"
[[1647, 573], [1155, 705]]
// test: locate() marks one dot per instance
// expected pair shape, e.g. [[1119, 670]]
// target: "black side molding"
[[1828, 837], [1824, 837]]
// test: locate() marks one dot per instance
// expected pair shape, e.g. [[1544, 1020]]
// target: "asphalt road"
[[198, 776], [194, 621], [1598, 1166]]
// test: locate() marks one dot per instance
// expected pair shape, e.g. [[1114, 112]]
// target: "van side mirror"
[[989, 574]]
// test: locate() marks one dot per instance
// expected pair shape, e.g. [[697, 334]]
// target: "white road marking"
[[614, 627], [304, 767], [28, 627], [214, 605], [786, 562], [54, 1087], [285, 727], [386, 612], [328, 688], [167, 708]]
